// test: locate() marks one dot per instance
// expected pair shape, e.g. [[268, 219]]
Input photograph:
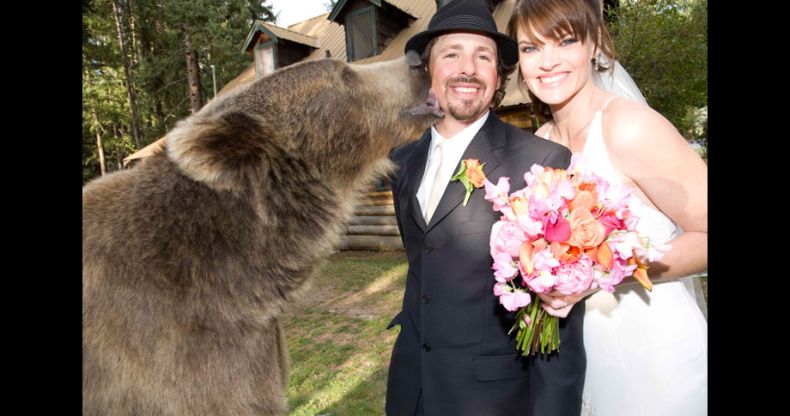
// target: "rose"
[[474, 171], [583, 199], [586, 232], [470, 174]]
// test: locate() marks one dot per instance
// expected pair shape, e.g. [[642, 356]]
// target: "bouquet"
[[569, 231]]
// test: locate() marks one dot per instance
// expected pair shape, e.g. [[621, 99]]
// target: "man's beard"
[[468, 109]]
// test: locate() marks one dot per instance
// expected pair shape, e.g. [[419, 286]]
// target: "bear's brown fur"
[[190, 257]]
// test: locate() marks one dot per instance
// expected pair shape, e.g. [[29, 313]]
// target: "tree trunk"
[[132, 95], [98, 141], [193, 75], [137, 55]]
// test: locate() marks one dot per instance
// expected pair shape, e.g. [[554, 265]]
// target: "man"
[[453, 355]]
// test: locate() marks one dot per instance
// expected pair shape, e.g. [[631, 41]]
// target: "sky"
[[292, 11]]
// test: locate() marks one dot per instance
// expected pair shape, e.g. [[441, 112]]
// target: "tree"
[[121, 13], [160, 53], [663, 45]]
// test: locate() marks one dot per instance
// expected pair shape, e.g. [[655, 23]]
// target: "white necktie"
[[439, 180]]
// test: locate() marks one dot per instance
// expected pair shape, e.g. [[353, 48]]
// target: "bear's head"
[[336, 119]]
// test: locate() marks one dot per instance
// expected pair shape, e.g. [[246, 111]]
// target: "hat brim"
[[507, 47]]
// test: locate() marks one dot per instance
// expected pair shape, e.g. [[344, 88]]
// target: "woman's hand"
[[558, 304]]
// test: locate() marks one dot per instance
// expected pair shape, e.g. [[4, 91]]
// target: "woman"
[[646, 351]]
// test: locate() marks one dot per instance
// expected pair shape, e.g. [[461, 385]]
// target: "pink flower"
[[501, 288], [575, 277], [498, 194], [616, 196], [504, 266], [559, 231], [610, 222], [506, 237], [623, 244], [514, 299], [544, 259], [542, 283], [607, 281]]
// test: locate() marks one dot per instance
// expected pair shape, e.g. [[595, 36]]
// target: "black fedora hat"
[[465, 16]]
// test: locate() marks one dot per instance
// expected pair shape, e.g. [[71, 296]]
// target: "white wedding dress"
[[647, 352]]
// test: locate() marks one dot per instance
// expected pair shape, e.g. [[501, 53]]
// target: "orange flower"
[[547, 180], [520, 205], [470, 174], [604, 256], [640, 274], [528, 249], [586, 232], [565, 253], [583, 199], [474, 171], [540, 244], [525, 257]]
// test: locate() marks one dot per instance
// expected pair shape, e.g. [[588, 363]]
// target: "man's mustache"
[[467, 80]]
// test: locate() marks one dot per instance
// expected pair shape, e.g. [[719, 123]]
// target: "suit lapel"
[[488, 147], [415, 168]]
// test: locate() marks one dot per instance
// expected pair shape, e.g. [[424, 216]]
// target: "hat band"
[[465, 22]]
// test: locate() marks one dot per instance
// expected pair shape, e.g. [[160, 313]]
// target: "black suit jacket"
[[453, 347]]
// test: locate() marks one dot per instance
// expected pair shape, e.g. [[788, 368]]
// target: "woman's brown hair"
[[555, 19]]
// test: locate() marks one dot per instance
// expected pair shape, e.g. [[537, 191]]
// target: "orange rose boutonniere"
[[471, 175]]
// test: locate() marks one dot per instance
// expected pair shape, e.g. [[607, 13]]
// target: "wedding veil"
[[618, 82]]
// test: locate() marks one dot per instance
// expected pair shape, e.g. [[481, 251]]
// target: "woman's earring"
[[597, 62], [601, 62]]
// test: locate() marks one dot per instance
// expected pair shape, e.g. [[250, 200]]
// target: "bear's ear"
[[219, 151]]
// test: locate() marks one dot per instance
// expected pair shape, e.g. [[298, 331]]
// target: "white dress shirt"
[[454, 148]]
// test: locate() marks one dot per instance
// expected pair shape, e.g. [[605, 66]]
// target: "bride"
[[646, 350]]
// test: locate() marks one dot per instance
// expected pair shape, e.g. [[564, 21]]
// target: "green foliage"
[[155, 36], [663, 44], [103, 92]]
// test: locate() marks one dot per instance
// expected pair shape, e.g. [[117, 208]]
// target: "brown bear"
[[190, 257]]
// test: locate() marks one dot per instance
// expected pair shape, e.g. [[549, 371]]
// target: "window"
[[361, 33], [264, 59]]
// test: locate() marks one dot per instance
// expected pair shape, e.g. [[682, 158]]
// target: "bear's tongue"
[[429, 106]]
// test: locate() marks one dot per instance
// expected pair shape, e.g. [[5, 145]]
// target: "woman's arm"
[[648, 149]]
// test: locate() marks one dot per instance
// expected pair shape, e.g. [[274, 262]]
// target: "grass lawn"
[[337, 341], [337, 338]]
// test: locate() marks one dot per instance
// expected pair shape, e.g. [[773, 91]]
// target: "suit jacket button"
[[428, 248], [426, 299], [426, 347]]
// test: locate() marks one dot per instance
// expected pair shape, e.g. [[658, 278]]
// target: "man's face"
[[463, 69]]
